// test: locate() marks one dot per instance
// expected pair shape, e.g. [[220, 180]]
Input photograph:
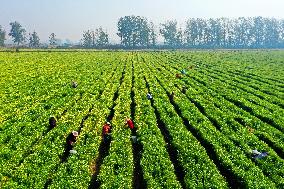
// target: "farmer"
[[106, 132], [258, 155], [178, 76], [74, 84], [129, 122], [71, 139], [52, 122], [149, 96], [183, 71]]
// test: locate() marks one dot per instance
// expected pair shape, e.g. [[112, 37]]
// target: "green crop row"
[[80, 166], [228, 155], [157, 168], [81, 109], [117, 167], [267, 131], [32, 132], [200, 171]]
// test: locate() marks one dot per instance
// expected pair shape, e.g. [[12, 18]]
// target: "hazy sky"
[[69, 18]]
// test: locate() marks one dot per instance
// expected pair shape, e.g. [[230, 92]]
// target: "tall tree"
[[271, 33], [17, 32], [242, 32], [33, 39], [258, 32], [152, 35], [133, 31], [172, 35], [101, 37], [2, 36], [52, 39], [191, 32], [281, 33], [88, 39], [225, 32]]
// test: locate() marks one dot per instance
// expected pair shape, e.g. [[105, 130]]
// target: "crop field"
[[209, 110]]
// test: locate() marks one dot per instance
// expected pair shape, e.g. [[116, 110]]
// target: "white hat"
[[75, 133], [255, 152], [73, 151]]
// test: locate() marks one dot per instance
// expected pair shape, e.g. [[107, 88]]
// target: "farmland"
[[196, 132]]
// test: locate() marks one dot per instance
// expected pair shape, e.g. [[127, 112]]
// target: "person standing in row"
[[106, 132]]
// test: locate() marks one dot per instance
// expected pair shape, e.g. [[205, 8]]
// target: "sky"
[[69, 18]]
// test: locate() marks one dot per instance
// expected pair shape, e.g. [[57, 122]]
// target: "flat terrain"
[[208, 111]]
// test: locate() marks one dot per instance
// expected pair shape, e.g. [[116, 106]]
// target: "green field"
[[197, 131]]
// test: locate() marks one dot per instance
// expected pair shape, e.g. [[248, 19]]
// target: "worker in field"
[[106, 132], [258, 155], [178, 76], [183, 71], [71, 139], [52, 122], [149, 96], [129, 123], [74, 84]]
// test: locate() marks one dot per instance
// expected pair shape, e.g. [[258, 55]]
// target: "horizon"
[[62, 17]]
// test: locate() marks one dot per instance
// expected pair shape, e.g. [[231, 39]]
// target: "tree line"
[[138, 32]]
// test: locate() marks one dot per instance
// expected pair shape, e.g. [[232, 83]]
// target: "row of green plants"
[[25, 133], [117, 167], [241, 99], [236, 69], [255, 105], [207, 125], [78, 170], [158, 170], [240, 135], [200, 170], [26, 94], [268, 132], [243, 171], [270, 90], [249, 85], [263, 67], [30, 79], [51, 147]]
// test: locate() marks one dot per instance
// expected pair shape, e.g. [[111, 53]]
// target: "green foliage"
[[171, 34], [101, 37], [34, 40], [135, 31], [88, 39], [2, 36], [224, 106], [52, 39], [17, 32]]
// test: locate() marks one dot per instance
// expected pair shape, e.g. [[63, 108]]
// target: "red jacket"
[[130, 124], [106, 129]]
